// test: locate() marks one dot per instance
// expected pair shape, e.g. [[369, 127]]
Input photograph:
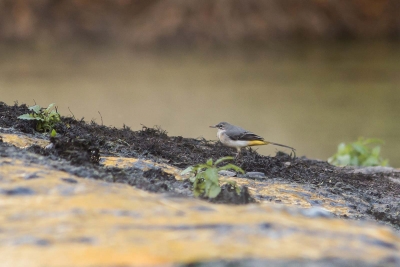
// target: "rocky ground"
[[374, 193], [86, 149]]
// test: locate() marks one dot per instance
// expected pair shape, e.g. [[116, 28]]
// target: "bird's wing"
[[240, 134]]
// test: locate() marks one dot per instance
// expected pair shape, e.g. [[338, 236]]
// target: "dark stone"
[[265, 225], [381, 243], [227, 173], [17, 191], [83, 240], [255, 175], [122, 213], [202, 208], [42, 242], [317, 212], [315, 202], [31, 176], [69, 180]]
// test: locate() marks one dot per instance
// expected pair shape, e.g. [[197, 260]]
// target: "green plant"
[[205, 177], [359, 153], [46, 117]]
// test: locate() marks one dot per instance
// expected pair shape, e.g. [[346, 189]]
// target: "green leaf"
[[26, 117], [373, 141], [376, 151], [212, 175], [371, 161], [353, 162], [385, 162], [35, 108], [187, 170], [53, 133], [343, 160], [196, 192], [54, 115], [342, 148], [207, 187], [50, 107], [39, 118], [46, 118], [359, 148], [359, 153], [39, 127], [202, 166], [198, 187], [209, 162], [238, 190], [231, 167], [223, 159], [214, 191]]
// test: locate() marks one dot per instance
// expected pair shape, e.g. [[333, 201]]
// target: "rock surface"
[[255, 175], [84, 222]]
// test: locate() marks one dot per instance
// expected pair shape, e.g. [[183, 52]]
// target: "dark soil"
[[79, 144]]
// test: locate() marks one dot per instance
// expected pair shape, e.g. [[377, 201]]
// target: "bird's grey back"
[[238, 133]]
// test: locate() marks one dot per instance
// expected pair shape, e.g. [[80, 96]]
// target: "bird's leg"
[[238, 153]]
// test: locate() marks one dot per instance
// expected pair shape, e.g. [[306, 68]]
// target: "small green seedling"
[[45, 118], [205, 177], [53, 133], [359, 153]]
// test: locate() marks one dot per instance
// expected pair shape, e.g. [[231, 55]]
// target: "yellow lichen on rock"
[[52, 218], [283, 193], [292, 195], [121, 162], [23, 141]]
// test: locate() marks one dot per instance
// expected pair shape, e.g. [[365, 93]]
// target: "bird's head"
[[222, 125]]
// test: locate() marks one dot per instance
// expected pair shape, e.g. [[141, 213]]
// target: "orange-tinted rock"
[[67, 220], [23, 141]]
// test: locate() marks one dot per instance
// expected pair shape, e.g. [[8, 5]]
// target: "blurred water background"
[[309, 86]]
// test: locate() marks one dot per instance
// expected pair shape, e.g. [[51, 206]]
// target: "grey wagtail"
[[237, 137]]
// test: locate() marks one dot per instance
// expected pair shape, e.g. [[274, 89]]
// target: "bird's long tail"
[[262, 142], [275, 144]]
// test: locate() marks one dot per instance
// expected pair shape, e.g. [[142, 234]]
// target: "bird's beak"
[[213, 126]]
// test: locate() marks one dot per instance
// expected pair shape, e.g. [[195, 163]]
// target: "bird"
[[237, 137]]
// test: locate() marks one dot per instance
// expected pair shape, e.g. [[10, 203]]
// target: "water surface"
[[311, 97]]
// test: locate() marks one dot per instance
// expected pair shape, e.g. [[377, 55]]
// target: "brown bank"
[[101, 196], [202, 23]]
